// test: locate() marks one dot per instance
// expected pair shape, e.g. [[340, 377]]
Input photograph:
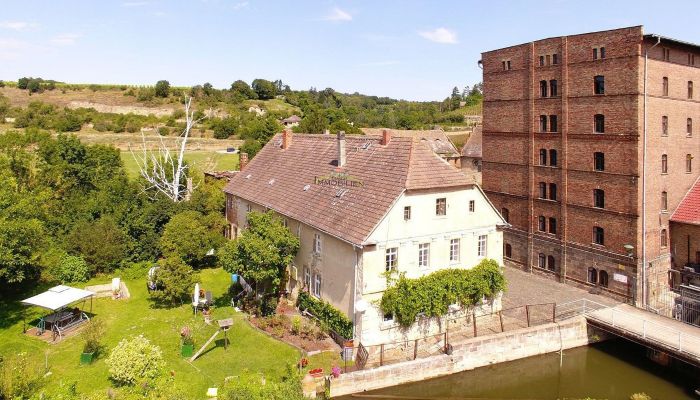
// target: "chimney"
[[243, 162], [341, 149], [286, 139], [386, 137]]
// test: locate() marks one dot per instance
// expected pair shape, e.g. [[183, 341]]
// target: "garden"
[[56, 369]]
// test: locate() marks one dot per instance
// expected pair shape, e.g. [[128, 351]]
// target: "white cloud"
[[134, 3], [440, 35], [18, 25], [240, 5], [65, 39], [338, 15]]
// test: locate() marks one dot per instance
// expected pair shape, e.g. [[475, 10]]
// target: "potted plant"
[[92, 338], [187, 348]]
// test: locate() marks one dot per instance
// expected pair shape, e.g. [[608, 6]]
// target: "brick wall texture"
[[513, 140]]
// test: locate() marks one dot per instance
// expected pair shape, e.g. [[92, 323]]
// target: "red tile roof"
[[436, 139], [472, 148], [688, 212], [285, 180]]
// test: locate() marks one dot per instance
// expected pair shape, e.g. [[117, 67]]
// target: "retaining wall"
[[473, 353]]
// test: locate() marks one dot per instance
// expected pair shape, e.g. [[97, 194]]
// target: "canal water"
[[612, 370]]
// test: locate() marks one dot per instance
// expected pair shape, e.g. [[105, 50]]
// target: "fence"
[[457, 329]]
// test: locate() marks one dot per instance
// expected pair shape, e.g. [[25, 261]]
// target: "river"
[[611, 370]]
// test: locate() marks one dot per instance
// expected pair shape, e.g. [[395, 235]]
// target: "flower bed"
[[295, 330]]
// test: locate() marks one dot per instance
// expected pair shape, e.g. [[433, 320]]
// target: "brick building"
[[566, 120]]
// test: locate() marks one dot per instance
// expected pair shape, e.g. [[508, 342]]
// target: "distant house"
[[435, 139], [291, 121], [257, 110], [471, 156], [362, 206]]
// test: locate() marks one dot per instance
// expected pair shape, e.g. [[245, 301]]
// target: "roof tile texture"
[[276, 179], [688, 211]]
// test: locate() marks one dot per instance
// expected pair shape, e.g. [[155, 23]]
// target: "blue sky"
[[416, 50]]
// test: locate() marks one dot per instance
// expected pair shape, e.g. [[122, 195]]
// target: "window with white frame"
[[441, 206], [454, 250], [481, 249], [392, 258], [423, 254], [317, 285], [317, 243], [307, 278], [472, 206], [407, 213]]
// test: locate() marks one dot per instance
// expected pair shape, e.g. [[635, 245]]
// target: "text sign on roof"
[[338, 179]]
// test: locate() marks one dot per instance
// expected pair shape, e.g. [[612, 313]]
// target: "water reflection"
[[610, 370]]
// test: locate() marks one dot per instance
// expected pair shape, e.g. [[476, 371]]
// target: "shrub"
[[163, 131], [20, 376], [190, 235], [431, 295], [326, 313], [175, 280], [254, 387], [92, 336], [72, 269], [296, 325], [134, 361], [162, 88], [101, 243]]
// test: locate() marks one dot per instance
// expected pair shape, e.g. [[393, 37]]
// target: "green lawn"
[[201, 160], [249, 349]]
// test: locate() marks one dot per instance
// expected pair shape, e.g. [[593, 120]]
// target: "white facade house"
[[361, 206]]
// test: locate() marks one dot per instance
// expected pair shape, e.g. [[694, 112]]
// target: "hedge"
[[431, 295], [326, 313]]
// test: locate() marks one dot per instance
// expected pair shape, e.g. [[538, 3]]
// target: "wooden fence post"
[[527, 315], [381, 355], [554, 312], [415, 349], [500, 317], [474, 321]]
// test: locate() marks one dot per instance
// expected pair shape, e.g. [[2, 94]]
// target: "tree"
[[22, 83], [162, 88], [21, 241], [101, 243], [34, 86], [313, 122], [262, 253], [242, 89], [250, 147], [174, 280], [190, 236], [264, 89], [225, 127], [160, 170]]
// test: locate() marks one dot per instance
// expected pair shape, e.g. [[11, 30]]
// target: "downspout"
[[644, 180]]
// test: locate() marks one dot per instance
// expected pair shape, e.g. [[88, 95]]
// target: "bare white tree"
[[164, 170]]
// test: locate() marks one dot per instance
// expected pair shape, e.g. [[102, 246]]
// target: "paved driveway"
[[526, 288]]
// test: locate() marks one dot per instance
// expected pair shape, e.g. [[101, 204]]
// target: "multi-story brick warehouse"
[[568, 124]]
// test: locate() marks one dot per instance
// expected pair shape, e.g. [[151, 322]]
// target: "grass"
[[248, 348], [201, 160]]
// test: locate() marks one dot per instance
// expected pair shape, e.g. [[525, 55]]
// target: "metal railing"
[[633, 326]]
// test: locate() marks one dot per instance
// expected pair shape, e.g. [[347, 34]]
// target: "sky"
[[413, 50]]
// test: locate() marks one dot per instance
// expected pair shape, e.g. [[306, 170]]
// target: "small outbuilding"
[[62, 317]]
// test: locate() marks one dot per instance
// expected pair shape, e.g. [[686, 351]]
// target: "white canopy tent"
[[58, 297]]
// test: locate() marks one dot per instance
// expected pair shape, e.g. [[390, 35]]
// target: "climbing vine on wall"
[[431, 295]]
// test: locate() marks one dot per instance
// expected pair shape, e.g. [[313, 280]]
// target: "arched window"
[[552, 191], [598, 235], [689, 127], [664, 87], [542, 261], [505, 213], [592, 276], [664, 126], [664, 238], [690, 89], [553, 90], [553, 158], [599, 161], [599, 84], [603, 278], [664, 201], [599, 123], [541, 223], [688, 163], [598, 198], [543, 157], [543, 88], [509, 250], [552, 225], [664, 164], [542, 190], [551, 263]]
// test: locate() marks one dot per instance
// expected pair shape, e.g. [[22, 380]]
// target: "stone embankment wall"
[[474, 353]]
